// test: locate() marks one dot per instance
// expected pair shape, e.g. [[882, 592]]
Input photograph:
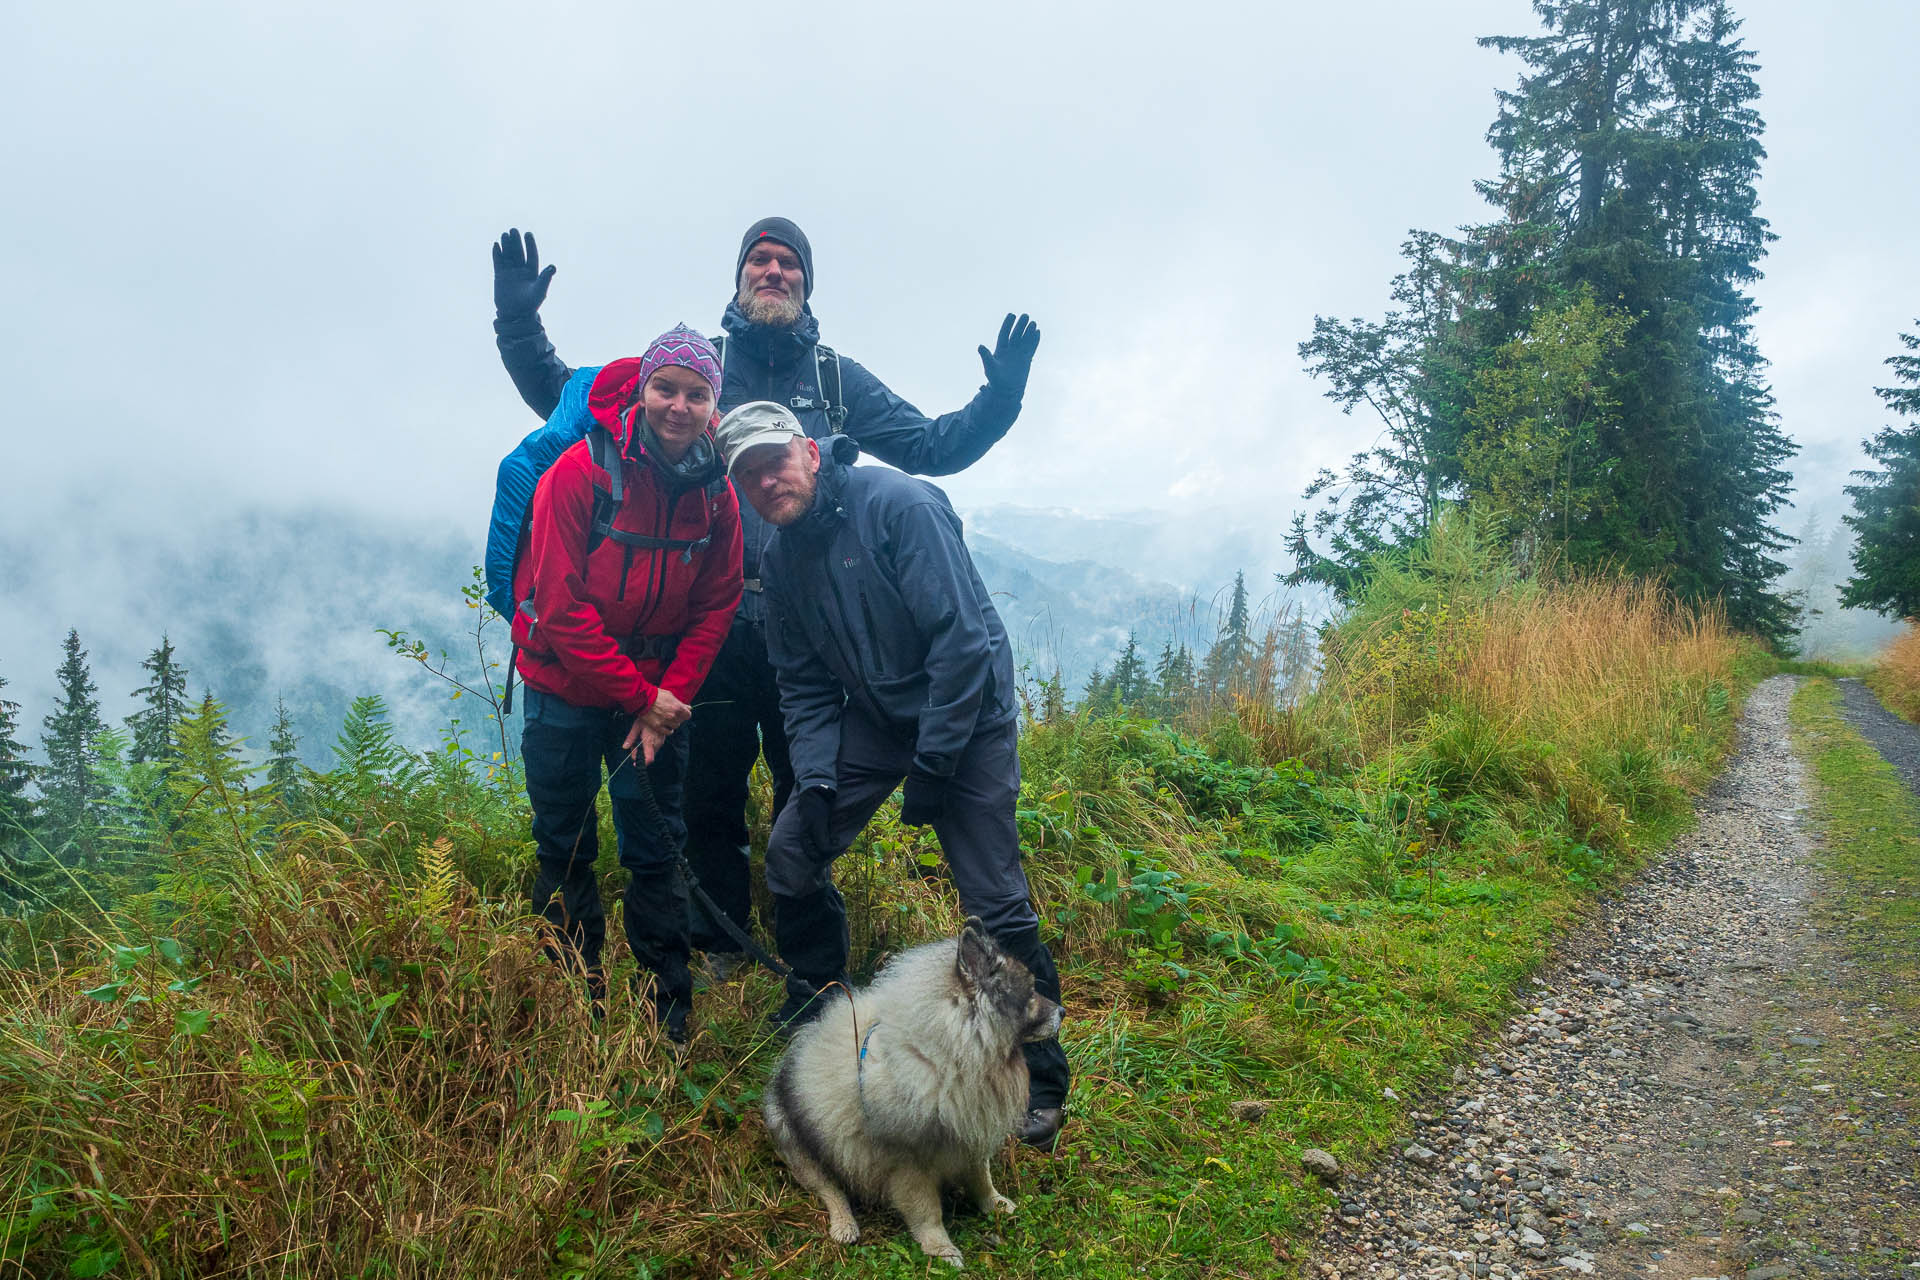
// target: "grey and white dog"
[[912, 1084]]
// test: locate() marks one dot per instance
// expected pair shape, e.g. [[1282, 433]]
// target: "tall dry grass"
[[1595, 665], [353, 1074], [1895, 674]]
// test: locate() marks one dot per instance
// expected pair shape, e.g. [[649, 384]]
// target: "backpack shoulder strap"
[[606, 502], [824, 358]]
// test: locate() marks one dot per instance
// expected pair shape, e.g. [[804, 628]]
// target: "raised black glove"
[[1012, 356], [924, 799], [816, 813], [519, 285]]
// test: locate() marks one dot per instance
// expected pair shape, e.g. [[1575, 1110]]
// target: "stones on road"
[[1610, 1129], [1320, 1164]]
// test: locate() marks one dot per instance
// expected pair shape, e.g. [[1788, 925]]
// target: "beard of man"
[[775, 313], [793, 504]]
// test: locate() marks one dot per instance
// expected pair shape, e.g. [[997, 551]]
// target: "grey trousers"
[[977, 833], [978, 836]]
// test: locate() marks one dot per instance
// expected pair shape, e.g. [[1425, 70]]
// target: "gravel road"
[[1897, 739], [1700, 1087]]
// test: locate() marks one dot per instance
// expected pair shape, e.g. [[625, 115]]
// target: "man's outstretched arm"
[[900, 435], [519, 287]]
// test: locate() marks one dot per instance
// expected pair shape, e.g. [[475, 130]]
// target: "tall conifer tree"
[[1173, 677], [25, 875], [71, 791], [163, 701], [283, 757], [16, 772], [1229, 660], [1130, 682], [1710, 203], [1886, 502], [1629, 158]]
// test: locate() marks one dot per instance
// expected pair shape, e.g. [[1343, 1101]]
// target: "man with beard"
[[893, 666], [771, 351]]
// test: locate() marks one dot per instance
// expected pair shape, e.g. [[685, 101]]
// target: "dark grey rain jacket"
[[876, 610]]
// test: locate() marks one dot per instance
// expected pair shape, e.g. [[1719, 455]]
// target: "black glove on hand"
[[1012, 356], [924, 799], [816, 813], [519, 285]]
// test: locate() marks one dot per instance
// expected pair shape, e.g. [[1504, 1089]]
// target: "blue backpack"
[[519, 476], [520, 473]]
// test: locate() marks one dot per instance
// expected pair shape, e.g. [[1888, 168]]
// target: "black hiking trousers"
[[978, 836], [736, 719], [564, 748]]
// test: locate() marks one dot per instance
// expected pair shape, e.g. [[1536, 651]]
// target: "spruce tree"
[[72, 797], [1710, 209], [17, 875], [134, 813], [1095, 693], [1629, 158], [163, 701], [1053, 699], [1160, 703], [284, 770], [1130, 684], [1886, 502], [1296, 659], [16, 772], [1173, 677], [1230, 659]]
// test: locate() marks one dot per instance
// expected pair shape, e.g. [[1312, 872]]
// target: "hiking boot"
[[797, 1011], [1041, 1128], [719, 967]]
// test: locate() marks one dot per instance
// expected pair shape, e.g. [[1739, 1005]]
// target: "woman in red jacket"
[[626, 589]]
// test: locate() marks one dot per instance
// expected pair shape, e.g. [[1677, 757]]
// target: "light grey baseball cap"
[[757, 422]]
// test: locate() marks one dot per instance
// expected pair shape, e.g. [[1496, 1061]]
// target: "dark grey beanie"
[[783, 232]]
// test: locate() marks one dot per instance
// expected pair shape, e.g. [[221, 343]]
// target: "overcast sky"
[[245, 250]]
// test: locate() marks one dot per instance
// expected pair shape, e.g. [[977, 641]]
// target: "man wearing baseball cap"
[[625, 590], [772, 352], [893, 667]]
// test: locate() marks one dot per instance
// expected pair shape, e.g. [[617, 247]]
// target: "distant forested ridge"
[[278, 616]]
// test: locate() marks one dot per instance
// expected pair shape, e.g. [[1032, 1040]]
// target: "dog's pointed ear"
[[977, 955]]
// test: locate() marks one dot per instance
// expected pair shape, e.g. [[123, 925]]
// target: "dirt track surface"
[[1705, 1085], [1896, 739]]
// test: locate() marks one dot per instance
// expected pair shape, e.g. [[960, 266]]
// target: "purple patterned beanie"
[[687, 348]]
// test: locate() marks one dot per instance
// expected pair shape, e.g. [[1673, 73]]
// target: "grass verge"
[[1869, 978]]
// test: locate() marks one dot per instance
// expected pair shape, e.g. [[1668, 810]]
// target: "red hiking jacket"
[[601, 623]]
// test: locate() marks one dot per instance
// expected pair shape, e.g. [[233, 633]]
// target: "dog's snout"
[[1044, 1024]]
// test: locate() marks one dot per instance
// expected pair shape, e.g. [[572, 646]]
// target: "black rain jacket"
[[764, 363], [876, 608]]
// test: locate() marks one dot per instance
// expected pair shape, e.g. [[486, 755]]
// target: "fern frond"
[[439, 878]]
